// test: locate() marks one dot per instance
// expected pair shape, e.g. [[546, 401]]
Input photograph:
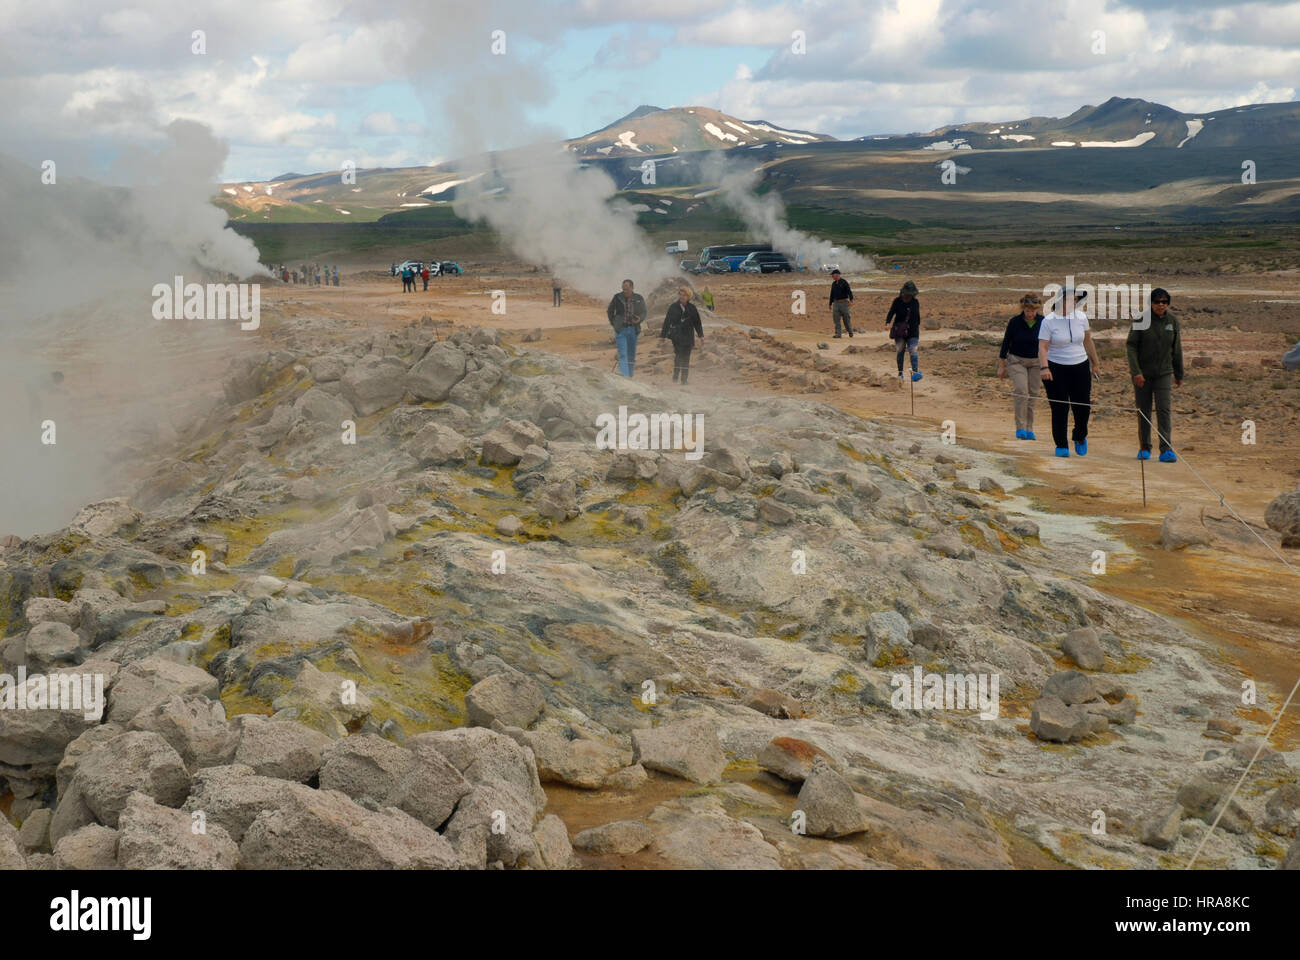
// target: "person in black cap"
[[904, 322], [1155, 359], [1067, 359], [841, 297]]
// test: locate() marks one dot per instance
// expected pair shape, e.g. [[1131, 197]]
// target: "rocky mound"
[[389, 588]]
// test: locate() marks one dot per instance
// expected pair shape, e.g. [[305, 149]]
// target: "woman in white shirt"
[[1067, 357]]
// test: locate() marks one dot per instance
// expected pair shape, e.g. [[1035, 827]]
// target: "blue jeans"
[[626, 340]]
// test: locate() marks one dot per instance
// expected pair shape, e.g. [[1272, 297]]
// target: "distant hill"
[[1166, 166], [1119, 122], [648, 131]]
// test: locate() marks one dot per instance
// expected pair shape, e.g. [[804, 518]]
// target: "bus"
[[730, 250]]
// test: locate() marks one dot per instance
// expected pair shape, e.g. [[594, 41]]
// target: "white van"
[[675, 246]]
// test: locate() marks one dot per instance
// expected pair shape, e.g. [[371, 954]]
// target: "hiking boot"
[[836, 337]]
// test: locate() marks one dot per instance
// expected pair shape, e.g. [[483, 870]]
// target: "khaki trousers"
[[1025, 380]]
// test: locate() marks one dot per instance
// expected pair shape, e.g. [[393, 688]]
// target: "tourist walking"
[[626, 312], [904, 323], [681, 326], [1155, 361], [1019, 359], [841, 302], [1067, 361]]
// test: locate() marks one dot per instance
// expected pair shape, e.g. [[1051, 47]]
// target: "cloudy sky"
[[302, 85]]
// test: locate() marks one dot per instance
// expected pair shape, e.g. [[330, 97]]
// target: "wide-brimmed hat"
[[909, 287], [1069, 291]]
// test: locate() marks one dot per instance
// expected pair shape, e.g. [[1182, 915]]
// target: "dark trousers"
[[1160, 389], [682, 361], [1070, 389], [555, 296]]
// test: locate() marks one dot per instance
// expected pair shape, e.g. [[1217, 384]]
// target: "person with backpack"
[[1019, 356], [681, 326], [1067, 360], [1155, 360], [626, 311], [904, 323]]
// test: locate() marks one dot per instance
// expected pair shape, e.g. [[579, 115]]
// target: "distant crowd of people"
[[1060, 345], [310, 273]]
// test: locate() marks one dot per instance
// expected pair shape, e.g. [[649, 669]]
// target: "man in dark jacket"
[[1155, 359], [626, 313], [841, 298], [682, 326]]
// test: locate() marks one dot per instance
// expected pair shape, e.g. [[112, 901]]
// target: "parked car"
[[766, 263], [689, 266], [726, 264], [450, 268], [434, 268], [416, 265]]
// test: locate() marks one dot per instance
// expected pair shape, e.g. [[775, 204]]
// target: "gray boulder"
[[92, 847], [1083, 646], [51, 645], [279, 748], [195, 727], [137, 760], [437, 444], [511, 698], [1070, 687], [154, 837], [232, 797], [155, 678], [373, 383], [689, 749], [324, 830], [622, 838], [436, 373], [1161, 831], [829, 804], [1053, 720]]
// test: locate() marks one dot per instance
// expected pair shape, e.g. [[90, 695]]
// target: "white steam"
[[78, 263], [765, 219]]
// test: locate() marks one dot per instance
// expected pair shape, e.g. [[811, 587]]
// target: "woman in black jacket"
[[904, 322], [1019, 357], [682, 326]]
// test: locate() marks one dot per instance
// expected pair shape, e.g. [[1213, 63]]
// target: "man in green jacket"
[[1155, 359]]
